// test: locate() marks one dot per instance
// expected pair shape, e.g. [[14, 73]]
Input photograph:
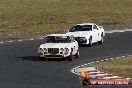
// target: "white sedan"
[[58, 46], [87, 33]]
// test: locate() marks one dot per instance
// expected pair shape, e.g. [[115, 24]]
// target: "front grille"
[[53, 51]]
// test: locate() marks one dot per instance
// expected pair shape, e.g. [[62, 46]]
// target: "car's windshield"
[[81, 28], [57, 39]]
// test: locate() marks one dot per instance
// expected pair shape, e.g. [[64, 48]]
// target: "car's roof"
[[86, 24], [58, 35]]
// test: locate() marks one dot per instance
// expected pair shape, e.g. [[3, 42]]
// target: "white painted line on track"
[[73, 72], [31, 39], [123, 56], [92, 62], [114, 31], [108, 32], [129, 55], [19, 40], [10, 41], [97, 61], [128, 30], [76, 70], [111, 58], [78, 66], [85, 64], [121, 31], [117, 57], [128, 78], [106, 59], [82, 65], [1, 42], [41, 38], [101, 60]]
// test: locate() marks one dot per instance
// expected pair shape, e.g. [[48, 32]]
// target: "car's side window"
[[72, 29]]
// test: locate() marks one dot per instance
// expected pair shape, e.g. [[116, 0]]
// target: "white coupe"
[[87, 33], [58, 46]]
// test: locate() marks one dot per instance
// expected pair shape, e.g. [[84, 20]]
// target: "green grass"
[[20, 16], [121, 67]]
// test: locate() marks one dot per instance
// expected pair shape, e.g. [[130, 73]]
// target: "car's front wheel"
[[90, 42], [70, 58], [77, 54]]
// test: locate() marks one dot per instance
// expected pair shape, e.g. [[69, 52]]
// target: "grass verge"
[[120, 67], [30, 16]]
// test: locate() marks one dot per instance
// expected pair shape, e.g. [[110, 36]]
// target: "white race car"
[[58, 46], [87, 33]]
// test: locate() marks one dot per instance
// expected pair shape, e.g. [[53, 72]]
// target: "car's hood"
[[55, 45], [79, 33]]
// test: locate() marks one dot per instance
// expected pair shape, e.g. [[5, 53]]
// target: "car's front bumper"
[[53, 53], [53, 56], [50, 55]]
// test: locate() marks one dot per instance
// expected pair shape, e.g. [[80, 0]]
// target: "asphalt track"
[[19, 67]]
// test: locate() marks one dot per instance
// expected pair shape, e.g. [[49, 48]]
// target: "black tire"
[[70, 58], [102, 40], [77, 54], [90, 42]]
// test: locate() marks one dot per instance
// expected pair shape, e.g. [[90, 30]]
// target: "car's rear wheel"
[[102, 40]]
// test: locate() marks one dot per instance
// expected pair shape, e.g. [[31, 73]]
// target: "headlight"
[[66, 49], [45, 50], [40, 49], [61, 49]]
